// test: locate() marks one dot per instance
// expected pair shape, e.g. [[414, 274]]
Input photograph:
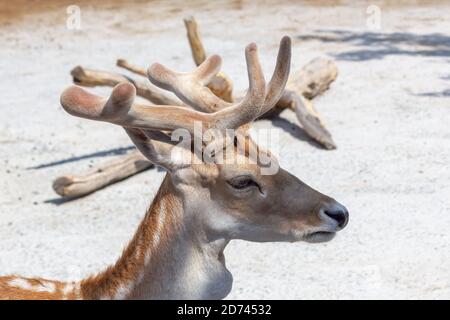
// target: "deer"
[[177, 251]]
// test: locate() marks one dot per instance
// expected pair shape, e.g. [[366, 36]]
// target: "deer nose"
[[337, 212]]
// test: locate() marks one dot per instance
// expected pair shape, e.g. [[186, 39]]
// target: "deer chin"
[[319, 236], [314, 235]]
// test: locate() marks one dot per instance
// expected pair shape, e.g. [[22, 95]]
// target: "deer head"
[[231, 199]]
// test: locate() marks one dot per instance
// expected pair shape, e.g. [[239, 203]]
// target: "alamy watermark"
[[227, 147], [373, 20], [73, 21]]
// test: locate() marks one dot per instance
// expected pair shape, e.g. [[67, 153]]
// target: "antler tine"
[[156, 148], [280, 75], [78, 102], [250, 107], [190, 87], [120, 109], [208, 69]]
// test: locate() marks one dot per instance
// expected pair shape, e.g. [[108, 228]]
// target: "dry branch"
[[310, 81], [221, 85], [308, 118], [314, 78], [90, 78], [131, 67], [198, 52], [101, 176]]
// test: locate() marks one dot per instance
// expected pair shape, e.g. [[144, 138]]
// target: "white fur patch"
[[68, 288], [71, 287], [46, 286], [20, 283], [123, 292]]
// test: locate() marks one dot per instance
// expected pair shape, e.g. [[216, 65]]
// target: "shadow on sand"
[[377, 45], [105, 153]]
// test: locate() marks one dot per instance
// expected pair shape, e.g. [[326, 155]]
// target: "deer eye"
[[243, 182]]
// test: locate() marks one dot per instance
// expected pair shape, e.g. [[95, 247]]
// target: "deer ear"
[[159, 148], [155, 151]]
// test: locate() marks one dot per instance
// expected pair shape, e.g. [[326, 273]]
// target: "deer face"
[[241, 201], [278, 207], [237, 200]]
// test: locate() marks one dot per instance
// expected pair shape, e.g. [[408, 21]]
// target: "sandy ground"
[[388, 112]]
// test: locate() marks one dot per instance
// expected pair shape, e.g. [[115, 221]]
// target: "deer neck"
[[171, 256]]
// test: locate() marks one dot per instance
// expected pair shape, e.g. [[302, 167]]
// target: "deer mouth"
[[319, 236]]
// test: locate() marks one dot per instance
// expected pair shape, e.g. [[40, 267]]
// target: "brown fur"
[[8, 292], [131, 264], [105, 284]]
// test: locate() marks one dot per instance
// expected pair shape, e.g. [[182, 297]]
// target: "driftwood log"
[[131, 67], [91, 78], [101, 176], [308, 117], [314, 78], [310, 81], [221, 85]]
